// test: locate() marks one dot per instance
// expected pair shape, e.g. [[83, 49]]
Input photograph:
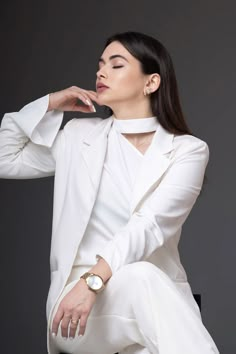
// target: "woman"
[[124, 186]]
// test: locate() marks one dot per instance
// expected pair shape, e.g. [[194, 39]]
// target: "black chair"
[[198, 300]]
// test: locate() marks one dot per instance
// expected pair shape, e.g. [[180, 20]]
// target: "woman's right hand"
[[68, 100]]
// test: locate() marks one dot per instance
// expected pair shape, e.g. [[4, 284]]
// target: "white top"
[[111, 210]]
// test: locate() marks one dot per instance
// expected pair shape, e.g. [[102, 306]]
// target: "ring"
[[74, 321]]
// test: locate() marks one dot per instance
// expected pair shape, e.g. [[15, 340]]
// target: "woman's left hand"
[[74, 310]]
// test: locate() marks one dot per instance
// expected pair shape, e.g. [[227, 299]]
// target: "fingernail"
[[80, 335], [94, 109], [88, 102], [53, 334]]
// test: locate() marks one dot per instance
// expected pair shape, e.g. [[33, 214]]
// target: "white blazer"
[[169, 183]]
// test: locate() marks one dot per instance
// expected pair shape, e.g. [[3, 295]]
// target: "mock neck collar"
[[135, 125]]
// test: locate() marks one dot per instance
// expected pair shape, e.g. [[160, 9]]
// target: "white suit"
[[164, 194]]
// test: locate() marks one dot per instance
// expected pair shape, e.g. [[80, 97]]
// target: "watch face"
[[94, 282]]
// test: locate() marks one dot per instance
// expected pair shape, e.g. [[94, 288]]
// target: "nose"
[[101, 73]]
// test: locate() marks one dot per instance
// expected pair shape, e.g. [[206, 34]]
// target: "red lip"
[[100, 85]]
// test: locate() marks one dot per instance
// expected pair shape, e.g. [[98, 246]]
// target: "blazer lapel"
[[155, 162], [94, 151]]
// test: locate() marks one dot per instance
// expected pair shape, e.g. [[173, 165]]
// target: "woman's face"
[[121, 72]]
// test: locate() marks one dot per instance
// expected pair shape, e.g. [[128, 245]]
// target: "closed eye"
[[118, 66]]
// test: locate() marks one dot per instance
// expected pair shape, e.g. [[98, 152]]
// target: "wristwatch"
[[94, 281]]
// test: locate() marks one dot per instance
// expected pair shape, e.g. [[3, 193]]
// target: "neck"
[[129, 110]]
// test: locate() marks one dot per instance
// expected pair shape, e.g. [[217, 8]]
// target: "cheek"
[[126, 76], [128, 81], [125, 84]]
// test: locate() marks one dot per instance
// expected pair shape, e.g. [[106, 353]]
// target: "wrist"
[[50, 102], [94, 282], [102, 269]]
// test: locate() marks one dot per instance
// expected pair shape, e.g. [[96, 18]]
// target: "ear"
[[153, 83]]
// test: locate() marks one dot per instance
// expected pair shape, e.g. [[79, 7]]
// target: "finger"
[[81, 94], [56, 321], [80, 108], [82, 324], [65, 325], [92, 95], [87, 101], [73, 327]]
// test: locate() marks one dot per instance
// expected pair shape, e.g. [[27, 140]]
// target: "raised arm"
[[29, 138]]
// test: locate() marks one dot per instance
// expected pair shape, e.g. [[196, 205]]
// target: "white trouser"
[[140, 311]]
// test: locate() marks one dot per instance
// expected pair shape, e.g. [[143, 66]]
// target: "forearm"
[[26, 138], [103, 269], [163, 214]]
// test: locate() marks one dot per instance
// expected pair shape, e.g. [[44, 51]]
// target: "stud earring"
[[146, 92]]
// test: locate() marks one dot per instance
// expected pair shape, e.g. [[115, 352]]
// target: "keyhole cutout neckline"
[[137, 126], [143, 146]]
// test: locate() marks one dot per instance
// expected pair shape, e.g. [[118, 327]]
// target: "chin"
[[104, 101]]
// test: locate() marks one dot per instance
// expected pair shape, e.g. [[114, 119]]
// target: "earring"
[[146, 92]]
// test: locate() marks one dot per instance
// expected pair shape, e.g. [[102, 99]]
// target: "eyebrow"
[[101, 60]]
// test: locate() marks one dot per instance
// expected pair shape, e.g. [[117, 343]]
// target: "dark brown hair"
[[154, 58]]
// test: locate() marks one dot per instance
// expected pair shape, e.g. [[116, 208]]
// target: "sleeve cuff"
[[39, 125]]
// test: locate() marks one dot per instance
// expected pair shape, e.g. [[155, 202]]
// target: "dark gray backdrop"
[[50, 45]]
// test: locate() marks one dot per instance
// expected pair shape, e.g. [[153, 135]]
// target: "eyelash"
[[115, 67]]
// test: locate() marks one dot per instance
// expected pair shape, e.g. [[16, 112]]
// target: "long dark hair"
[[154, 58]]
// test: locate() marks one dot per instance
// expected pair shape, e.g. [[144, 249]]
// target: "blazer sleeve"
[[29, 140], [163, 213]]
